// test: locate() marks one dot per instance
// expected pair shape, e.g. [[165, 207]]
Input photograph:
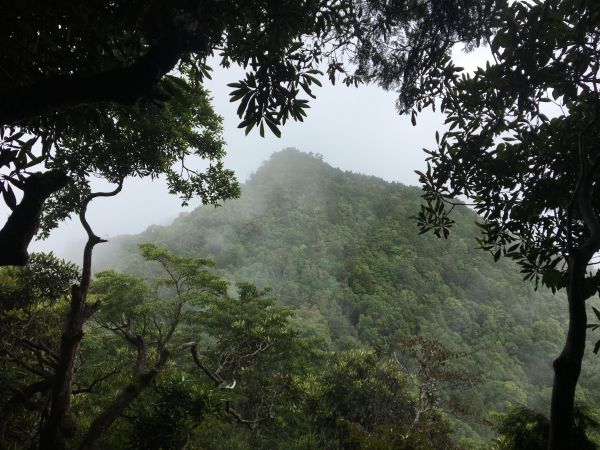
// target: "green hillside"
[[343, 249]]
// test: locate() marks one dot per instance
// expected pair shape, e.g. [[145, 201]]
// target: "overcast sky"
[[356, 129]]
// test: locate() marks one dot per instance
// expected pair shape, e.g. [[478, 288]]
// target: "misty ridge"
[[304, 306], [344, 250]]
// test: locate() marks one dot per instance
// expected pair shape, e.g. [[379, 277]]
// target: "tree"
[[112, 142], [149, 322], [433, 371], [85, 92], [364, 400], [522, 145], [31, 316], [523, 428], [82, 92], [146, 335]]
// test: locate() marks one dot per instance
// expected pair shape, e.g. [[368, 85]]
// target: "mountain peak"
[[289, 162]]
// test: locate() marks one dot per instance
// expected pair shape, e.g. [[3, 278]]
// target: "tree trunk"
[[56, 428], [567, 366], [114, 409], [23, 222]]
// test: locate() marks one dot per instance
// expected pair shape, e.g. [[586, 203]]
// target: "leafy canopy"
[[521, 139], [125, 98]]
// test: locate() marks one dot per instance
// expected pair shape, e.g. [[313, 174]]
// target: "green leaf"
[[554, 279], [273, 128], [9, 197], [314, 80]]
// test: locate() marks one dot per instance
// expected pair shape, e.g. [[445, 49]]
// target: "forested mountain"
[[343, 249]]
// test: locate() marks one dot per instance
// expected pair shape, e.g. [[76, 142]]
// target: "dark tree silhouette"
[[533, 178], [74, 75]]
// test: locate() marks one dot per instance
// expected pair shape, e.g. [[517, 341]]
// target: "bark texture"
[[567, 366], [56, 428]]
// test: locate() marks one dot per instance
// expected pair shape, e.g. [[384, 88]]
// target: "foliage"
[[45, 277], [520, 167], [529, 169], [402, 45], [342, 248], [290, 394], [126, 98], [281, 45], [135, 357], [31, 316], [114, 142], [168, 418], [365, 401], [434, 370], [524, 428]]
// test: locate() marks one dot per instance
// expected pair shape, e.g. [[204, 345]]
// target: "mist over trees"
[[82, 81], [376, 334], [343, 249]]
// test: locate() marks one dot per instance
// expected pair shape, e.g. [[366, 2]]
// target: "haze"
[[355, 129]]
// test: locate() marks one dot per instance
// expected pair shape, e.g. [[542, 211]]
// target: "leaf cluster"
[[521, 139]]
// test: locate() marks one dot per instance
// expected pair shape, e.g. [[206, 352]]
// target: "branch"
[[39, 372], [95, 382], [222, 384], [142, 357], [123, 85], [31, 345], [251, 423], [213, 376], [21, 397], [86, 272], [174, 322], [121, 401], [23, 222], [125, 330], [55, 428]]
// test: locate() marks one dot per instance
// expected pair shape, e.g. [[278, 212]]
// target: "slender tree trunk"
[[567, 366], [114, 409], [102, 423], [56, 428]]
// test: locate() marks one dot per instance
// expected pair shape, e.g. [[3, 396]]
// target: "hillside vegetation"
[[343, 249]]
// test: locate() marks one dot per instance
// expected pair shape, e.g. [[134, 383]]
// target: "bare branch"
[[97, 381], [212, 375]]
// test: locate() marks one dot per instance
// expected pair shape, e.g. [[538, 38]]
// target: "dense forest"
[[309, 308], [343, 249]]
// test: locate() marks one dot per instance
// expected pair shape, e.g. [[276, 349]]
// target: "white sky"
[[356, 129]]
